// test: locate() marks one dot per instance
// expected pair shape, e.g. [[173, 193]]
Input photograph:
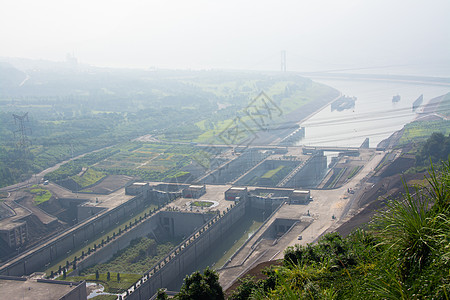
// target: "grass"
[[90, 244], [420, 131], [271, 173], [289, 102], [89, 177], [219, 127], [336, 179], [105, 297], [112, 285], [151, 161], [354, 172], [137, 258], [41, 195], [417, 183], [202, 203]]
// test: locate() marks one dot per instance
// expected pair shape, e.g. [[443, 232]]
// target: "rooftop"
[[32, 289]]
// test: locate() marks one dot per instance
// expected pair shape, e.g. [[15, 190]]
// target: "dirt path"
[[37, 178]]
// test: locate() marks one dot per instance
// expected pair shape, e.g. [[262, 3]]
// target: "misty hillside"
[[74, 109], [10, 78]]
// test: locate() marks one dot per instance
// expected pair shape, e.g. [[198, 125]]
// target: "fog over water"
[[374, 116]]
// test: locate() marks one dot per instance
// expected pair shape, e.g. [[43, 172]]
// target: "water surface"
[[374, 116]]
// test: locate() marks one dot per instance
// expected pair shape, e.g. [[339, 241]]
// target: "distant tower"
[[20, 134], [283, 61], [71, 60]]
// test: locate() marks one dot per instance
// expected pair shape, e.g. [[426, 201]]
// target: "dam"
[[269, 184]]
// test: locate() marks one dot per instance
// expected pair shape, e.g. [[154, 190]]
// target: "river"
[[374, 116]]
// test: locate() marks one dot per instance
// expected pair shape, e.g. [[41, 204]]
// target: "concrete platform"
[[213, 193], [36, 288]]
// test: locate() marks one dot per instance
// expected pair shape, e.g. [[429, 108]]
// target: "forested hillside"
[[73, 110]]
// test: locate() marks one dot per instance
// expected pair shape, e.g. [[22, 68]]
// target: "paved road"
[[316, 218], [36, 178], [329, 203]]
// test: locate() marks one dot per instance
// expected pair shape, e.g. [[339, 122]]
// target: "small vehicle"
[[299, 237]]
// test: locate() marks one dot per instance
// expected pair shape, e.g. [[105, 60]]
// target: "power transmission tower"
[[283, 61], [20, 134]]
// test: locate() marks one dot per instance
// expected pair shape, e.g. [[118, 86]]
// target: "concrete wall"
[[54, 250], [185, 225], [85, 212], [103, 254], [183, 259], [278, 227], [182, 224], [262, 169], [266, 203], [310, 175], [77, 293], [236, 167]]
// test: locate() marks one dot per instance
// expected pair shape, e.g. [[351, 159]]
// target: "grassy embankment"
[[419, 131], [40, 194], [90, 244], [89, 177], [287, 96], [271, 173]]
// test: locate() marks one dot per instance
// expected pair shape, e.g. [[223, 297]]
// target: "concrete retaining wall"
[[185, 225], [104, 253], [310, 175], [37, 258], [183, 259]]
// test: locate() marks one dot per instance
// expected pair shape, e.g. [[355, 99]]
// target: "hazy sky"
[[316, 34]]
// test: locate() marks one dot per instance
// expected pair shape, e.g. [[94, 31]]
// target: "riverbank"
[[293, 119], [411, 79]]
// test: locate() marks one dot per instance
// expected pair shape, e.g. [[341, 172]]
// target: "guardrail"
[[183, 246]]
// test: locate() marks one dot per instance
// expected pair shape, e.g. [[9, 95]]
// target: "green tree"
[[201, 286], [246, 286], [161, 295], [97, 275], [436, 148]]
